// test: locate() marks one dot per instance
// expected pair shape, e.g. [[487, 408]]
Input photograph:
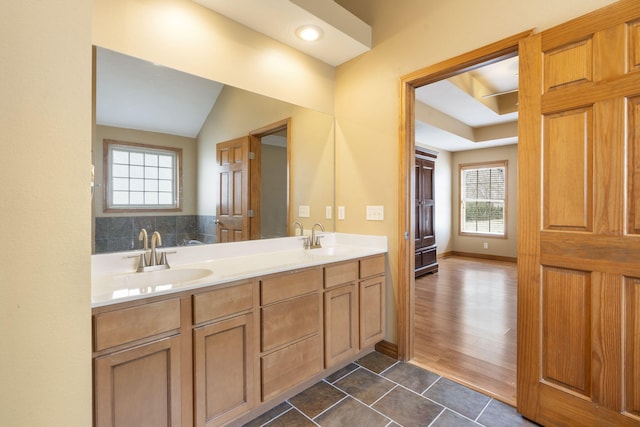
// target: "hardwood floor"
[[465, 324]]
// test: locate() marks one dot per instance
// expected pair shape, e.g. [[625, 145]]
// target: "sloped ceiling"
[[136, 94]]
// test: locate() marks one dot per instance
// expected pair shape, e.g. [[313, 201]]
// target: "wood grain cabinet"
[[354, 308], [223, 354], [424, 226], [372, 300], [291, 330], [341, 316], [138, 366]]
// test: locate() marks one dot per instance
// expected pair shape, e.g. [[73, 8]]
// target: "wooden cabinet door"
[[340, 324], [139, 387], [372, 311], [223, 370], [579, 233], [232, 161]]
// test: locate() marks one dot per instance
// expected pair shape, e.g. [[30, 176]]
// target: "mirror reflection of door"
[[232, 160], [253, 185]]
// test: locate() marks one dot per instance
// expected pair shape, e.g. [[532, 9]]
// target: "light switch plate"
[[375, 213], [341, 212], [304, 211], [327, 212]]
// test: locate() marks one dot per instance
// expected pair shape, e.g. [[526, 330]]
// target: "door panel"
[[565, 323], [567, 148], [634, 165], [632, 344], [579, 185], [424, 203]]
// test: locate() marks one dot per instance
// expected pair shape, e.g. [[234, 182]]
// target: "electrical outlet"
[[486, 245], [304, 211], [375, 213], [341, 212]]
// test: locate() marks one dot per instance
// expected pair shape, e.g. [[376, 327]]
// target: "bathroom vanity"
[[215, 349]]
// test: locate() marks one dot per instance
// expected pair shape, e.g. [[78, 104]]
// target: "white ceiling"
[[463, 99], [345, 36], [136, 94]]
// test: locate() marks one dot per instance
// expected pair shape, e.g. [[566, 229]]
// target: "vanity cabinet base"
[[225, 354]]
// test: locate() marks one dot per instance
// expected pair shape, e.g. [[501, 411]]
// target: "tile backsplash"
[[114, 234]]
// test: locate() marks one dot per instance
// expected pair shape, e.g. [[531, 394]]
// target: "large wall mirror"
[[149, 105]]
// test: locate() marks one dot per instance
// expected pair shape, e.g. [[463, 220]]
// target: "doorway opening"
[[482, 57], [269, 182]]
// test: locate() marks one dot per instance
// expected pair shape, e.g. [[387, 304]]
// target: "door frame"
[[255, 174], [406, 263]]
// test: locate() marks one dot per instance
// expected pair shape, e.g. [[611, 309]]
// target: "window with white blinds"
[[483, 190], [141, 177]]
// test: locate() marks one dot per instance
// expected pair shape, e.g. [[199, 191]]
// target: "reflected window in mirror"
[[141, 178]]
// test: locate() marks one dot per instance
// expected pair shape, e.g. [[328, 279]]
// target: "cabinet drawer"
[[291, 285], [340, 274], [291, 365], [371, 266], [429, 256], [222, 302], [290, 320], [130, 324]]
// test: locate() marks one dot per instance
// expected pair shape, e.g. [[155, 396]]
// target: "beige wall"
[[186, 36], [238, 112], [45, 128], [189, 163], [407, 36], [507, 247]]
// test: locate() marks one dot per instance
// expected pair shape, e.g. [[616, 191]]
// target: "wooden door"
[[232, 160], [579, 233]]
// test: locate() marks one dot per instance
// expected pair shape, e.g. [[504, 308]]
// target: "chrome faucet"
[[315, 240], [156, 240]]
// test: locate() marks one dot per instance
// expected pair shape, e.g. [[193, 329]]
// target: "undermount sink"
[[160, 277]]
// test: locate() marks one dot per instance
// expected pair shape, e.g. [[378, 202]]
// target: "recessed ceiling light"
[[309, 33]]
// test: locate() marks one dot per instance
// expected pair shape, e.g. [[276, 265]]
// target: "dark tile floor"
[[380, 391]]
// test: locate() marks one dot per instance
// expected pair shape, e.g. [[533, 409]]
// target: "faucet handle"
[[306, 241], [163, 259], [142, 260]]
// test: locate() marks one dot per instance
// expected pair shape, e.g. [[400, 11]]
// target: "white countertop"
[[114, 278]]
